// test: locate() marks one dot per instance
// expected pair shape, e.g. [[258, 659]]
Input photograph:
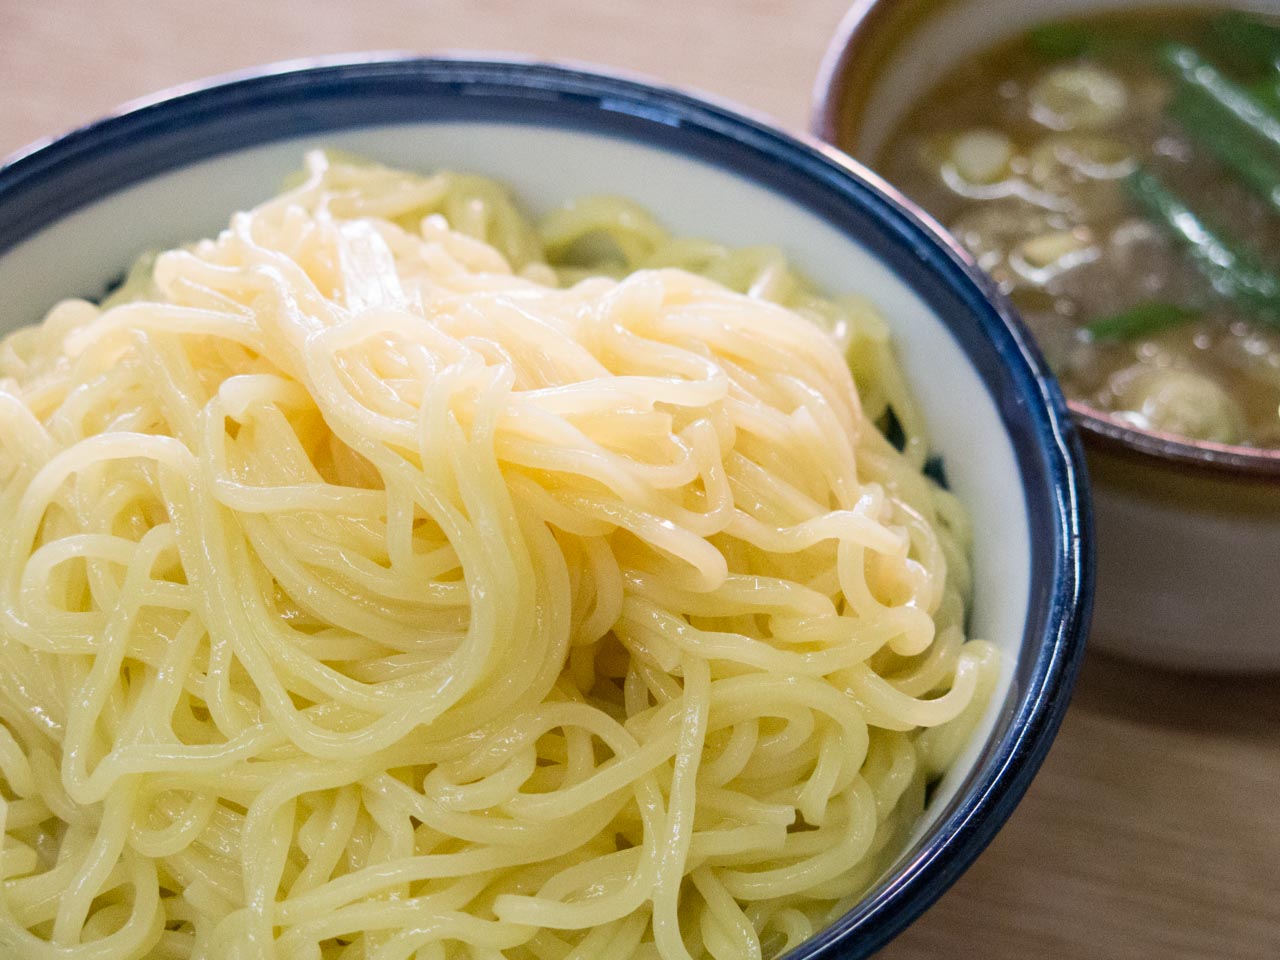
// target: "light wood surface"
[[1153, 830]]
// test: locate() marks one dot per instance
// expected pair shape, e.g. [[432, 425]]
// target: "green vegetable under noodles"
[[1140, 321]]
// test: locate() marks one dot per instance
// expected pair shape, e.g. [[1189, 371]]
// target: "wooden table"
[[1153, 830]]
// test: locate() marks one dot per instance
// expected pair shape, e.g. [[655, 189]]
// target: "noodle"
[[391, 578]]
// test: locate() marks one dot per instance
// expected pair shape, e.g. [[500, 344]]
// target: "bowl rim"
[[1145, 446], [1046, 446]]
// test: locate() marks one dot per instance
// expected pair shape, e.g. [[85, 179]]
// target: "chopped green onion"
[[1232, 270], [1220, 134], [1196, 73], [936, 470], [1062, 40], [1069, 40], [1248, 39], [1267, 93], [1140, 321]]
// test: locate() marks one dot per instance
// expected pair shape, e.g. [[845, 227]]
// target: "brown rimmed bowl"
[[1188, 532]]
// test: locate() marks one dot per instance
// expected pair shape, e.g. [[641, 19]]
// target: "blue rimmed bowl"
[[76, 210]]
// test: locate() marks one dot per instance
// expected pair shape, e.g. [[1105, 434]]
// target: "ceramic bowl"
[[76, 210], [1188, 532]]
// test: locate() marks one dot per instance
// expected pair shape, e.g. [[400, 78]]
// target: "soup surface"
[[1119, 176]]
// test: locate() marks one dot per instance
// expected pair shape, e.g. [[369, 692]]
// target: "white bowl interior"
[[80, 254]]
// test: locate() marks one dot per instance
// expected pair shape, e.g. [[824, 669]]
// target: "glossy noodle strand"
[[390, 577]]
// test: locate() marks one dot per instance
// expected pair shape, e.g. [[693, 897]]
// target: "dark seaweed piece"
[[1194, 72], [112, 285], [891, 427], [936, 471]]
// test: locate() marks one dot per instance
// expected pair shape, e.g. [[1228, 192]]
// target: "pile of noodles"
[[389, 577]]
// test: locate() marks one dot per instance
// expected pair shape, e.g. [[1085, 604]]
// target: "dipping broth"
[[1119, 177]]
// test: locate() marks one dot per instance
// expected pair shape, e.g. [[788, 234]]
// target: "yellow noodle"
[[394, 577]]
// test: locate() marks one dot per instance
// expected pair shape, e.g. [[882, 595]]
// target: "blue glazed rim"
[[53, 178]]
